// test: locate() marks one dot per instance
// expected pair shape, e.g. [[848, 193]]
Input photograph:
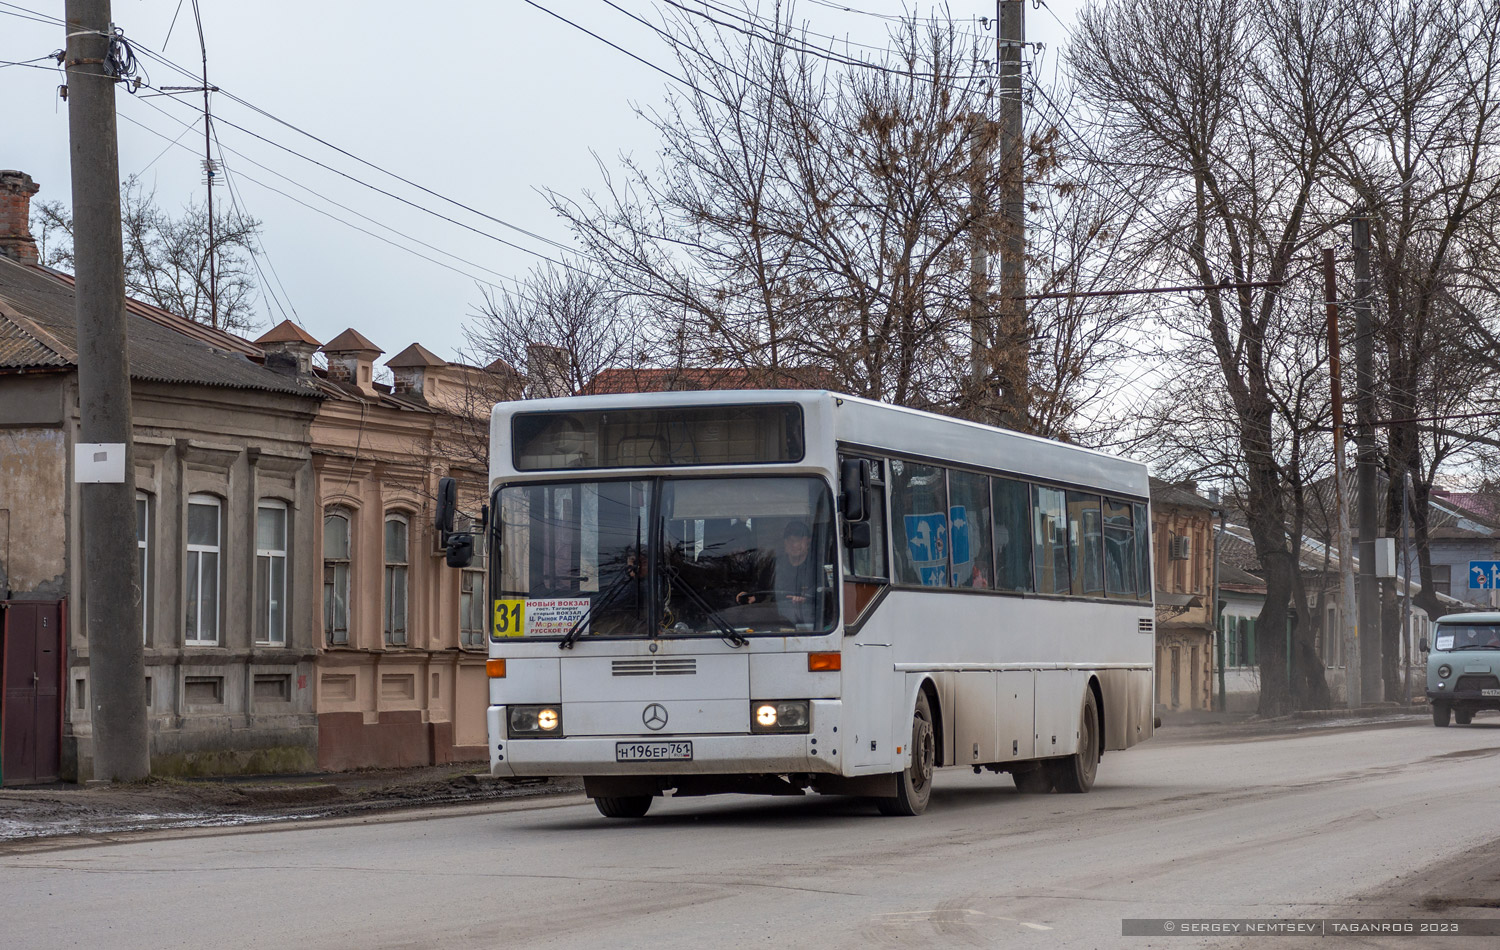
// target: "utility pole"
[[209, 170], [117, 671], [1364, 412], [980, 343], [1014, 327], [1348, 615]]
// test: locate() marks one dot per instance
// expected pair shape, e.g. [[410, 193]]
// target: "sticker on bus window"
[[555, 616], [510, 619], [1445, 643]]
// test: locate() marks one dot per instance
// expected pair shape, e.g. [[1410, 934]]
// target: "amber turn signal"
[[825, 662], [495, 668]]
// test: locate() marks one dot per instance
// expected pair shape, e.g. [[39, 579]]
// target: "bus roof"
[[900, 430]]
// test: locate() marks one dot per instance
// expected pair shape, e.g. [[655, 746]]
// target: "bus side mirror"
[[458, 551], [856, 535], [854, 490], [447, 504], [1422, 645]]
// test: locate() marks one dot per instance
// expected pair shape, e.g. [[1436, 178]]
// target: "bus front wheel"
[[1441, 713], [1076, 772], [623, 806], [914, 783]]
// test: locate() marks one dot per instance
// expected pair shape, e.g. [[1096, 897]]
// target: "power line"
[[342, 207], [384, 171], [665, 72], [390, 194]]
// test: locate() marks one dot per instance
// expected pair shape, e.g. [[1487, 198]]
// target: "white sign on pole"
[[99, 463]]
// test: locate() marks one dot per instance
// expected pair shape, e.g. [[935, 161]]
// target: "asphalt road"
[[1357, 820]]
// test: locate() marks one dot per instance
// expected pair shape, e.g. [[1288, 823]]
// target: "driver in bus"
[[793, 583]]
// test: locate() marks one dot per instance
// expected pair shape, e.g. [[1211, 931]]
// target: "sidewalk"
[[30, 812]]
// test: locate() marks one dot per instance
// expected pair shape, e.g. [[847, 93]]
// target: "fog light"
[[1445, 671], [534, 721], [780, 715]]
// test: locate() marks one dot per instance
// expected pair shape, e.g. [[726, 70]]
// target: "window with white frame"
[[396, 561], [143, 559], [204, 527], [473, 620], [336, 550], [270, 569]]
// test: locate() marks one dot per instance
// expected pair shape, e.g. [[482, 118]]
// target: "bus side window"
[[919, 523], [1012, 535], [870, 561], [1143, 576], [969, 524], [1049, 540]]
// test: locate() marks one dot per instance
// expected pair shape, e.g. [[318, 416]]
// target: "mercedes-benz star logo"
[[655, 716]]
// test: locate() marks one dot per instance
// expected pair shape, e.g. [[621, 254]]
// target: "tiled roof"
[[38, 327], [1165, 493], [350, 341], [287, 332], [415, 355]]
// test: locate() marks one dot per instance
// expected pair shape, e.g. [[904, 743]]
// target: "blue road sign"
[[1484, 575]]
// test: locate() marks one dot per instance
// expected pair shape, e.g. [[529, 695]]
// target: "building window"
[[270, 568], [1442, 579], [1239, 641], [396, 558], [336, 575], [143, 559], [203, 531], [474, 618]]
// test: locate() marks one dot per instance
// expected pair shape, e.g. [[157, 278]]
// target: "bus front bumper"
[[817, 751]]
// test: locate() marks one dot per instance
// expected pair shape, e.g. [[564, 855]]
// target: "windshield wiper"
[[726, 630], [603, 600]]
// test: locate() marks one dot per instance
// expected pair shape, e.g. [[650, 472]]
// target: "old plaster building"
[[1182, 528], [226, 511], [296, 610], [401, 636]]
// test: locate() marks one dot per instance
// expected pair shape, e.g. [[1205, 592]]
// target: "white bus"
[[781, 591]]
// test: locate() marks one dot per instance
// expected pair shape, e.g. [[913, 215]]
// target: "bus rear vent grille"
[[1147, 625], [665, 666]]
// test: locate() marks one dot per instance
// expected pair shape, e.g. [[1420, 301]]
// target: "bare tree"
[[809, 212], [1426, 168], [167, 256], [559, 329], [1229, 111]]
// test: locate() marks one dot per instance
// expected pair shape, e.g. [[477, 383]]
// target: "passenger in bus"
[[793, 580]]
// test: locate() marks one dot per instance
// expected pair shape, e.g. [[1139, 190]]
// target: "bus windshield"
[[665, 557]]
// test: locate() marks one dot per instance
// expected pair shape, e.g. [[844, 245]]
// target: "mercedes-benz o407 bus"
[[777, 591]]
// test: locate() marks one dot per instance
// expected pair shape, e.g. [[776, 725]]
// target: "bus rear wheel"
[[623, 806], [1076, 772], [1036, 780], [1463, 716], [914, 783]]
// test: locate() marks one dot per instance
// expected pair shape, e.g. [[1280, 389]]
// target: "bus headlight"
[[780, 715], [535, 721], [1445, 671]]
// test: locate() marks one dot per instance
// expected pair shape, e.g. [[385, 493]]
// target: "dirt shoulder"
[[29, 813]]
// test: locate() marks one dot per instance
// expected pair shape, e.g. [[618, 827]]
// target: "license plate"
[[654, 751], [1489, 692]]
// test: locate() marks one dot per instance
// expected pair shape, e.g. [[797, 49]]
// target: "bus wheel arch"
[[1098, 691], [913, 784], [939, 729], [1076, 773]]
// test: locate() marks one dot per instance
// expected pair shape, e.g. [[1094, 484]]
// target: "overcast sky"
[[486, 103]]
